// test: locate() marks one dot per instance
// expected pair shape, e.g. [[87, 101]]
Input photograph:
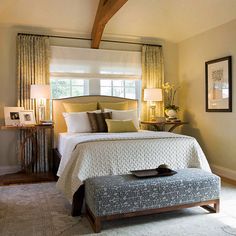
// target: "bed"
[[85, 155]]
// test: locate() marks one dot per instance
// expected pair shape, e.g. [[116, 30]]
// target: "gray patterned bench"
[[113, 197]]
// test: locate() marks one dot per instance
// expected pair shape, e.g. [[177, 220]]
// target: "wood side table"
[[35, 145], [162, 125]]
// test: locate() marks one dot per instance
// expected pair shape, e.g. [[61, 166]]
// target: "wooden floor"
[[230, 181], [25, 178]]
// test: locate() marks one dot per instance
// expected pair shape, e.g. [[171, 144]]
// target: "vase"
[[171, 113]]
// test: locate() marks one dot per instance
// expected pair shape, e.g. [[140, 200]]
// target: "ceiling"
[[172, 20]]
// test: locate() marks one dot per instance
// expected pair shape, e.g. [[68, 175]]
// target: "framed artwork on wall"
[[219, 85], [27, 117], [12, 115]]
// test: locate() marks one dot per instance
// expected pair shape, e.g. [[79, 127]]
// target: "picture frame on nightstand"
[[12, 115], [27, 117]]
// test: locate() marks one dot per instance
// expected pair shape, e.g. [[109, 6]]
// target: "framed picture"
[[12, 115], [27, 117], [219, 85]]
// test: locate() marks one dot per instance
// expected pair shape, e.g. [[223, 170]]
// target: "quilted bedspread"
[[114, 154]]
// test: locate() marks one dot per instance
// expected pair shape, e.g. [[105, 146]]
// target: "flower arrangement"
[[169, 96]]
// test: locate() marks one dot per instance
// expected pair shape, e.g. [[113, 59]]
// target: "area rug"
[[41, 210]]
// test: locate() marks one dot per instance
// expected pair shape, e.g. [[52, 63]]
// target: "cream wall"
[[8, 88], [215, 131], [8, 82]]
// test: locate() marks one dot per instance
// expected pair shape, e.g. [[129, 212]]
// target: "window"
[[120, 88], [84, 71], [66, 87]]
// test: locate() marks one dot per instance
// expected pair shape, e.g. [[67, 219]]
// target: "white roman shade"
[[94, 63]]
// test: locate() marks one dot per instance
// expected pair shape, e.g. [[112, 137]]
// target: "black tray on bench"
[[152, 173]]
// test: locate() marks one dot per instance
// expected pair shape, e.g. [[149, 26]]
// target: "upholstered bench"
[[112, 197]]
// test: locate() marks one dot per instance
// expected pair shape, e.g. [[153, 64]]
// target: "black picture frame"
[[218, 74]]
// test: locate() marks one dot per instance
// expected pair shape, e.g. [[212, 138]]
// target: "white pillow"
[[78, 122], [125, 115]]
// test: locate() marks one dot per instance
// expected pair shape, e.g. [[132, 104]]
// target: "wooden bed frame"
[[60, 127]]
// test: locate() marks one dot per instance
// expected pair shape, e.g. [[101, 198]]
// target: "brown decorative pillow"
[[93, 121], [97, 121]]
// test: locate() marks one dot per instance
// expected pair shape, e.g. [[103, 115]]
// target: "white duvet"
[[89, 155]]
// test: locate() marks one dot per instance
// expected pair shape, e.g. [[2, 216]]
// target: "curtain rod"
[[103, 40]]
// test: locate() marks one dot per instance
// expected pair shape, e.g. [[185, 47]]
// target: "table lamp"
[[41, 92], [153, 95]]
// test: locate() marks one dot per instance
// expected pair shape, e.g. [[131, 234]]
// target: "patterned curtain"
[[32, 68], [152, 76]]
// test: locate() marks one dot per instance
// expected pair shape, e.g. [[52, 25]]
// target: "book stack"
[[170, 119], [46, 122]]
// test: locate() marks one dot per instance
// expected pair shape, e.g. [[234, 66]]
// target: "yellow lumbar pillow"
[[120, 126], [80, 107], [113, 105]]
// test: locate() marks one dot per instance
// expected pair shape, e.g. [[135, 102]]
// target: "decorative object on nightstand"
[[153, 95], [160, 126], [41, 92], [12, 115], [27, 117], [46, 122], [169, 97]]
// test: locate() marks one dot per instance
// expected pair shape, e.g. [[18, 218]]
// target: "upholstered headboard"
[[58, 108]]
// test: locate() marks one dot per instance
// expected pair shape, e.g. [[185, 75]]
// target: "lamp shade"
[[39, 91], [153, 94]]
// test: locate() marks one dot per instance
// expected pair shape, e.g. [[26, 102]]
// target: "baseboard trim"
[[9, 169], [224, 172]]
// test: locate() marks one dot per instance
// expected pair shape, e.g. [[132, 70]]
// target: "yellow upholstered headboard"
[[58, 108]]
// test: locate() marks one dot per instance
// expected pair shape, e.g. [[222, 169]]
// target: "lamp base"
[[153, 118], [153, 115], [41, 113]]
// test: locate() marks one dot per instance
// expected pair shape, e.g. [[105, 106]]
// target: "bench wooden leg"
[[94, 221], [97, 225], [215, 208]]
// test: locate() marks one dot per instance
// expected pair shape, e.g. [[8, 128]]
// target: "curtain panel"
[[32, 68], [152, 77]]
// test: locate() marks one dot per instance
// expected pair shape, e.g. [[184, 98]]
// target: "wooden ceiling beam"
[[106, 9]]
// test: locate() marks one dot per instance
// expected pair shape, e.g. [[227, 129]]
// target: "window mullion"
[[112, 88], [70, 90], [124, 89]]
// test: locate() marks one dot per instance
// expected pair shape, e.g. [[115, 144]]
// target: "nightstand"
[[161, 126], [35, 147]]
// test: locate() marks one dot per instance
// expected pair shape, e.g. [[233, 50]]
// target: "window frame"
[[85, 86], [93, 86], [137, 88]]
